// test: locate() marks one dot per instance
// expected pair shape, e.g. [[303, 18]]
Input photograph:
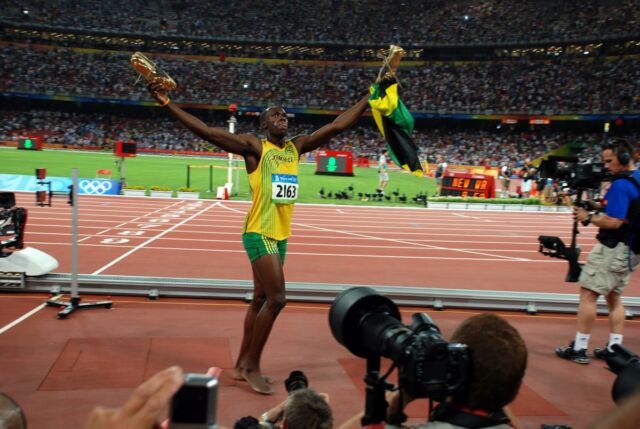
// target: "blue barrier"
[[17, 182]]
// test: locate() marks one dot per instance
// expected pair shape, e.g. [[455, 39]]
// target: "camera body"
[[297, 380], [194, 405], [429, 366], [572, 174], [369, 326]]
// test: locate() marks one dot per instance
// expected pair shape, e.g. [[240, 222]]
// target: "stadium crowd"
[[409, 22], [503, 146], [555, 86]]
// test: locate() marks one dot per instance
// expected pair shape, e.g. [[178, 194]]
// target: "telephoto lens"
[[297, 380]]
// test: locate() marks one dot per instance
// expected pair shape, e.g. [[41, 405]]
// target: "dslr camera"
[[369, 326], [297, 380], [194, 405]]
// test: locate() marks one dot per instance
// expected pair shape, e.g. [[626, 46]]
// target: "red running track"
[[478, 250]]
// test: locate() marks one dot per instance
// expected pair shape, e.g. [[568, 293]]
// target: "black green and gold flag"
[[396, 125]]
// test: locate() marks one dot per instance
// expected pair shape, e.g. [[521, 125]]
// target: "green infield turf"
[[171, 172]]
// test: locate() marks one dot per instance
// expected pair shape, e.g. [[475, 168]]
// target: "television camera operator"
[[608, 267]]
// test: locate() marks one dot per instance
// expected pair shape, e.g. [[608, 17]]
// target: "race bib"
[[284, 188]]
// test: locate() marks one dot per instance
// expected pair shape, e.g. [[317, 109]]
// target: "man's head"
[[273, 120], [306, 409], [498, 362], [11, 415], [618, 156]]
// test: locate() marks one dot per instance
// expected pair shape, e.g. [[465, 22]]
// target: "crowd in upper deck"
[[408, 22], [559, 85]]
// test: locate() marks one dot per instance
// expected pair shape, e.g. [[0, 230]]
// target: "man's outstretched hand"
[[158, 92], [145, 406]]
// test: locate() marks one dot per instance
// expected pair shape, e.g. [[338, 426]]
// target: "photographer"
[[499, 360], [304, 408], [608, 267]]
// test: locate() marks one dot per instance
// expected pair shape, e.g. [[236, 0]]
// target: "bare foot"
[[237, 375], [257, 381]]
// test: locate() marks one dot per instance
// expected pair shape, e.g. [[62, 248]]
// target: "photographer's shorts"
[[607, 269], [257, 245]]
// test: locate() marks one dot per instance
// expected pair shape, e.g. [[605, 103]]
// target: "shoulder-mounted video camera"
[[574, 178], [573, 174], [13, 221]]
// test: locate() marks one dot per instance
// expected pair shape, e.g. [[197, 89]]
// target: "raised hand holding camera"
[[194, 405]]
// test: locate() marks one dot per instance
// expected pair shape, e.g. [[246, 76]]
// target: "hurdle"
[[234, 166], [210, 167]]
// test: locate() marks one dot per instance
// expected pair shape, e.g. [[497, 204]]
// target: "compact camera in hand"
[[194, 405]]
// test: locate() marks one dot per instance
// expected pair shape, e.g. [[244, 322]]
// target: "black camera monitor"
[[7, 200], [194, 405]]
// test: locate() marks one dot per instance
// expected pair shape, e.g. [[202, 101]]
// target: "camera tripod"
[[375, 410]]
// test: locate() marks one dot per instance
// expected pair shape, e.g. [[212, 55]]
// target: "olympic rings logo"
[[96, 187]]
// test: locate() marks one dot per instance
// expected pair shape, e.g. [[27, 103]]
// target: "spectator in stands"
[[468, 147], [527, 86], [498, 363], [412, 22], [272, 167]]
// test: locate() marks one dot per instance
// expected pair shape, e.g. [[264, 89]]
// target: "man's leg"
[[616, 313], [258, 300], [616, 318], [577, 350], [587, 310], [616, 324], [269, 274]]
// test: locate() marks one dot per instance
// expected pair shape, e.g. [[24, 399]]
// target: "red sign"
[[125, 149]]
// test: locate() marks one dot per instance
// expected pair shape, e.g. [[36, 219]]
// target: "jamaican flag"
[[396, 125]]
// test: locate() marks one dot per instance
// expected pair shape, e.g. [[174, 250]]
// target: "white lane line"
[[152, 239], [130, 221], [25, 316], [500, 257], [417, 244]]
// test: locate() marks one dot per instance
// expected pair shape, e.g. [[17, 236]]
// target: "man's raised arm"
[[307, 143], [238, 144]]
